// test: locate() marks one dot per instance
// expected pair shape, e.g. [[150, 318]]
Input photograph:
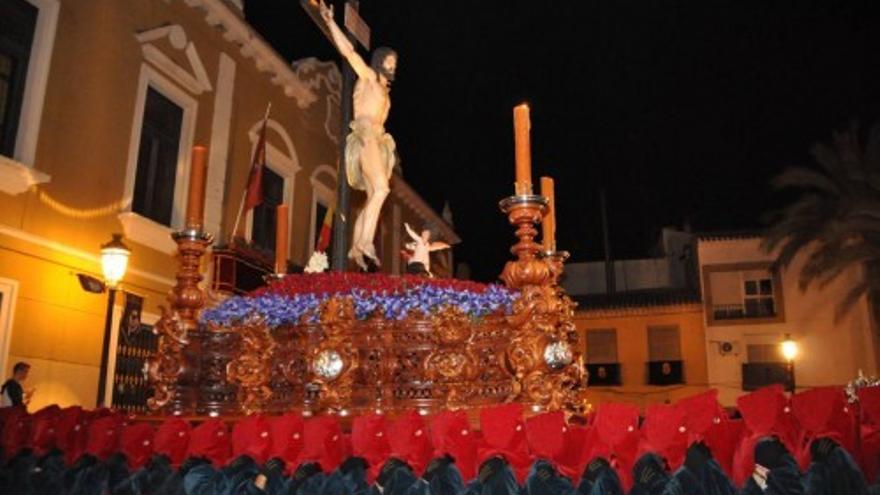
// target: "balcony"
[[757, 375], [241, 268], [665, 372], [752, 308], [603, 374]]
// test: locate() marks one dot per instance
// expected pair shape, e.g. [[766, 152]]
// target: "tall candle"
[[523, 150], [281, 229], [549, 223], [195, 203]]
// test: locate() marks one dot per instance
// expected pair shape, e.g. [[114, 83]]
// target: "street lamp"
[[114, 262], [789, 351]]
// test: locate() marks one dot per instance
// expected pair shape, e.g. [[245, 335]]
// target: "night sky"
[[681, 111]]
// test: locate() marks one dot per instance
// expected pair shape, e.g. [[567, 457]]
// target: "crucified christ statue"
[[369, 150]]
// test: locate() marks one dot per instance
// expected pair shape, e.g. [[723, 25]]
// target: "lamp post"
[[789, 351], [114, 262]]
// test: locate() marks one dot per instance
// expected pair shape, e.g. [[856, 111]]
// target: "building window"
[[602, 364], [157, 158], [742, 293], [18, 20], [765, 366], [602, 346], [664, 356], [265, 214], [758, 298]]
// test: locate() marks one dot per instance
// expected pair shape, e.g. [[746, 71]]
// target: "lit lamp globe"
[[789, 349], [114, 260]]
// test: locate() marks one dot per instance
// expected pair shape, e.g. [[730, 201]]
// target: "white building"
[[749, 311]]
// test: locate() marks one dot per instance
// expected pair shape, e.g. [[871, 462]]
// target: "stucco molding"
[[16, 177], [317, 74], [251, 45], [196, 82], [144, 231], [218, 154]]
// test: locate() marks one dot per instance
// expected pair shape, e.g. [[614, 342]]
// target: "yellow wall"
[[632, 351], [54, 230]]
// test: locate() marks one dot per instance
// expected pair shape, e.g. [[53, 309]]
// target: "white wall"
[[831, 353]]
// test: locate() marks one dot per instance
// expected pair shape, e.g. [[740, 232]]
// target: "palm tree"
[[837, 215]]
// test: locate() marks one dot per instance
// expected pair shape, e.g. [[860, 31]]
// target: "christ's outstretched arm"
[[344, 45]]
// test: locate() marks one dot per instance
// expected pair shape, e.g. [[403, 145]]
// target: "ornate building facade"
[[103, 104]]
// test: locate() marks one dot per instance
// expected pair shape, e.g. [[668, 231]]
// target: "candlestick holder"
[[525, 211], [542, 350], [556, 260], [174, 328], [187, 298]]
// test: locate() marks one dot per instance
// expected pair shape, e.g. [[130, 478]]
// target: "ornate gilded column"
[[541, 354], [168, 370]]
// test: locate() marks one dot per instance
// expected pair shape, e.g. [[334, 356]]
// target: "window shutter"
[[664, 344], [764, 353], [602, 346]]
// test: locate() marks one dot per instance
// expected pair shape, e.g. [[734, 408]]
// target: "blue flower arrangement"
[[280, 309]]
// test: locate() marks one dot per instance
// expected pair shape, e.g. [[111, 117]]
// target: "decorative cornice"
[[411, 198], [195, 82], [252, 45]]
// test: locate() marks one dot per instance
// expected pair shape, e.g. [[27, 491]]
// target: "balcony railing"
[[665, 372], [758, 309], [757, 375], [603, 374]]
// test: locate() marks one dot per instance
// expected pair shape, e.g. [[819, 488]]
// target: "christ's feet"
[[370, 251], [355, 254]]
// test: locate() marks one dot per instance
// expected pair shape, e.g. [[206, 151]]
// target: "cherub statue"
[[420, 249], [370, 152]]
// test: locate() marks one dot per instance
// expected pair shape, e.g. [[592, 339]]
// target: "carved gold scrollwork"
[[451, 326], [251, 369], [165, 368], [451, 365], [334, 361], [540, 355]]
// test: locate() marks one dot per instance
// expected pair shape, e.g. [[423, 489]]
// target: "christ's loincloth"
[[362, 129]]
